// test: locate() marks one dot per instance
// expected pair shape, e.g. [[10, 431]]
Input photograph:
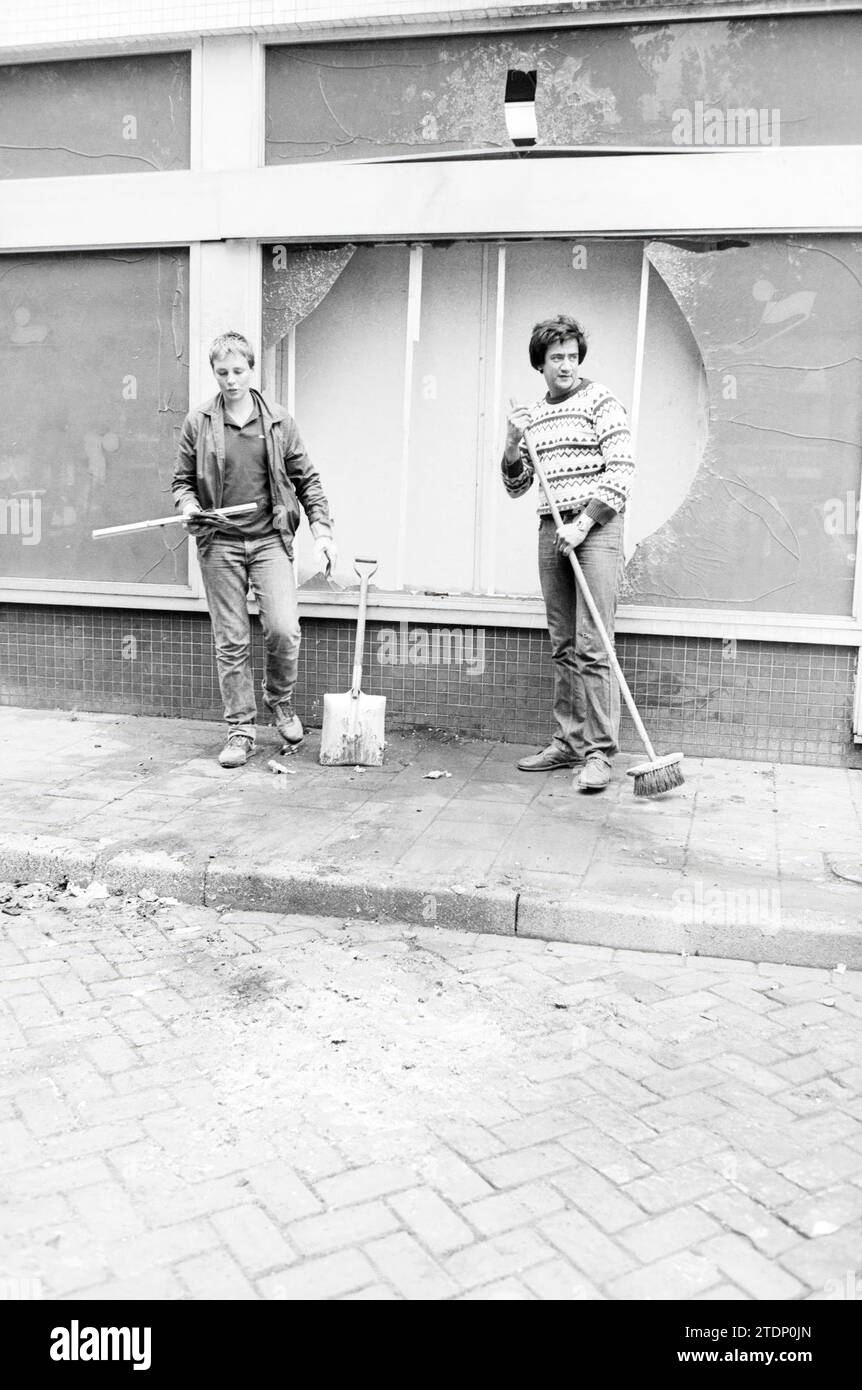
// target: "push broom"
[[659, 774]]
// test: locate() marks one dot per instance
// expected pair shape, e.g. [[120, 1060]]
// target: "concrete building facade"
[[341, 182]]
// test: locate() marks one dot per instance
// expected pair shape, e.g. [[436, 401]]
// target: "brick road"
[[199, 1105]]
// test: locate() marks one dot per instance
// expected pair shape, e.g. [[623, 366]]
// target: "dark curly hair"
[[555, 330]]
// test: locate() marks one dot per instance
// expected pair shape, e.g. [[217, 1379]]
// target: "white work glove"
[[325, 554], [570, 537]]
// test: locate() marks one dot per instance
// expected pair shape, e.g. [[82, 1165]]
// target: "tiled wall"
[[759, 700]]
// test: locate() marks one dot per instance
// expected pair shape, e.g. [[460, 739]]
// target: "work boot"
[[596, 774], [237, 750], [287, 722], [547, 760]]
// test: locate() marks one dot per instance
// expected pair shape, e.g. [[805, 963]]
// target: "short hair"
[[231, 342], [555, 330]]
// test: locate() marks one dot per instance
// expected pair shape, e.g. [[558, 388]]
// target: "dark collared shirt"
[[246, 477]]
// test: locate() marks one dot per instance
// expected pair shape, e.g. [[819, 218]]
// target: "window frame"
[[501, 609], [232, 198]]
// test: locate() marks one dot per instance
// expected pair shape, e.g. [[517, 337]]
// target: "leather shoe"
[[547, 760], [595, 776]]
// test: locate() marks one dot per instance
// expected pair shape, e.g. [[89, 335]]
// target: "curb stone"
[[805, 938], [162, 873], [295, 890], [802, 938], [43, 859]]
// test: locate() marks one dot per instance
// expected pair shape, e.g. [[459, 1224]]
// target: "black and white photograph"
[[430, 692]]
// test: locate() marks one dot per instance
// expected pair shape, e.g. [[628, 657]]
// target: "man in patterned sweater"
[[581, 434]]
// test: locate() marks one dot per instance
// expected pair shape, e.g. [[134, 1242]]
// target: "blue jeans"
[[586, 694], [229, 565]]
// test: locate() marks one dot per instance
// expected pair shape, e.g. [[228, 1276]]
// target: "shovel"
[[353, 723]]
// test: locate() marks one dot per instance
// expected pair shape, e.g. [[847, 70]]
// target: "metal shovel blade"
[[353, 730]]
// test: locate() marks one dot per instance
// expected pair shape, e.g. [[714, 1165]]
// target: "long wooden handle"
[[584, 588], [364, 577], [174, 520]]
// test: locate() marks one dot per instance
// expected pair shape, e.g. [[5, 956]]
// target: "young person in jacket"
[[581, 434], [237, 448]]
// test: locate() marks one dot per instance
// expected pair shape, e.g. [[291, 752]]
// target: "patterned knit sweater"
[[585, 446]]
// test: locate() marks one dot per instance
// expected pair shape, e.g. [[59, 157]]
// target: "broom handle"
[[591, 604], [364, 576], [174, 520]]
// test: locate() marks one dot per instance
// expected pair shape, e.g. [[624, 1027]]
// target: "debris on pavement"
[[92, 892], [279, 767], [16, 898], [363, 1057], [430, 776]]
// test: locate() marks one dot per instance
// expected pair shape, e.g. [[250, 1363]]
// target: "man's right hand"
[[517, 421]]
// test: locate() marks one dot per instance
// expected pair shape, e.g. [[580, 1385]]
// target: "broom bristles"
[[653, 781]]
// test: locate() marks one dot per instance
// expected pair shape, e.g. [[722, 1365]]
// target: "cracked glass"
[[753, 452], [95, 116], [745, 399], [790, 80]]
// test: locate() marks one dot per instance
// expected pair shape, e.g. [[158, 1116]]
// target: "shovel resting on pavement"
[[353, 732]]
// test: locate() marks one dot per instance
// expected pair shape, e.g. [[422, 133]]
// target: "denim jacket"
[[199, 474]]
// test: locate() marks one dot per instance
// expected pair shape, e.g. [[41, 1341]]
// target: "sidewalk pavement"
[[756, 861], [204, 1105]]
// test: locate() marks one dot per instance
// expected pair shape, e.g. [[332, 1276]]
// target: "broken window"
[[400, 377], [95, 371], [760, 506], [95, 116], [789, 80], [740, 365]]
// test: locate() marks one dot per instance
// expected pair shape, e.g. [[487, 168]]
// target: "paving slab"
[[746, 861]]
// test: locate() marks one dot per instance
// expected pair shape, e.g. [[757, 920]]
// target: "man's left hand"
[[325, 554], [570, 537]]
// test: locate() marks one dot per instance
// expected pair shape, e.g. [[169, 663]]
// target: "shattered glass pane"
[[673, 421], [95, 367], [767, 520], [788, 80], [300, 278], [95, 116], [749, 418]]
